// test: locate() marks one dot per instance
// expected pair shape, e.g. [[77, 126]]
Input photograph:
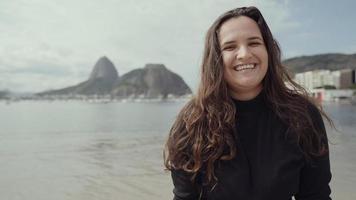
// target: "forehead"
[[238, 28]]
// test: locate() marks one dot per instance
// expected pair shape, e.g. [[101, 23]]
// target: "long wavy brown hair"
[[203, 131]]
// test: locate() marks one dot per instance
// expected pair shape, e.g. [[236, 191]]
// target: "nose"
[[243, 53]]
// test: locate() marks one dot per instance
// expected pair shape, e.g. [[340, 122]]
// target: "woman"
[[250, 132]]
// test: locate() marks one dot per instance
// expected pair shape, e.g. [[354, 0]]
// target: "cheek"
[[264, 56], [227, 75], [265, 62], [227, 58]]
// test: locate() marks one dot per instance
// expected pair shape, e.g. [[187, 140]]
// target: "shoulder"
[[314, 111], [188, 109], [307, 112], [184, 117], [191, 103], [309, 104]]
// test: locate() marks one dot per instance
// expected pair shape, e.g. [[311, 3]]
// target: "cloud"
[[41, 39], [35, 82]]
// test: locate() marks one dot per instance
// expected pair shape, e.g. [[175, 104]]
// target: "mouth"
[[243, 67]]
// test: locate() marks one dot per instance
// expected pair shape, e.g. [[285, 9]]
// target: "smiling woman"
[[246, 134], [244, 55]]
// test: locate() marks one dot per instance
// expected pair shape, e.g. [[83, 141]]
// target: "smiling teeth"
[[243, 67]]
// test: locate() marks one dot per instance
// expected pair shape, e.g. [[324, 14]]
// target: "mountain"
[[104, 69], [100, 82], [4, 94], [152, 81], [322, 61]]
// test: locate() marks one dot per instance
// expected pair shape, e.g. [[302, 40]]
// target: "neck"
[[245, 95]]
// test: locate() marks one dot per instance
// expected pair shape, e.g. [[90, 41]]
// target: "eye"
[[255, 44], [228, 48]]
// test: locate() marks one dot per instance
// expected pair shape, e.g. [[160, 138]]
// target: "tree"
[[353, 86], [327, 87]]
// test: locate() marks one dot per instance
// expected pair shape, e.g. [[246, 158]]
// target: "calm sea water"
[[84, 151]]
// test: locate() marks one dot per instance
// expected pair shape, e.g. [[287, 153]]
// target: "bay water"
[[84, 151]]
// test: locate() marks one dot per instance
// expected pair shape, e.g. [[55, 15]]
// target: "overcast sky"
[[49, 44]]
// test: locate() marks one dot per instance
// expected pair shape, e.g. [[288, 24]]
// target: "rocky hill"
[[321, 61], [152, 81], [104, 69], [4, 94], [100, 82]]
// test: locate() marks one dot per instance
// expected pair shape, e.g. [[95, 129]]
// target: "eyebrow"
[[250, 38], [229, 42], [255, 38]]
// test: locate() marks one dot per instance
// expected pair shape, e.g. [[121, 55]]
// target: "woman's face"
[[244, 55]]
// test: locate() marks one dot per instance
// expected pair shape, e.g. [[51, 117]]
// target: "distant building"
[[347, 78], [340, 79], [336, 78]]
